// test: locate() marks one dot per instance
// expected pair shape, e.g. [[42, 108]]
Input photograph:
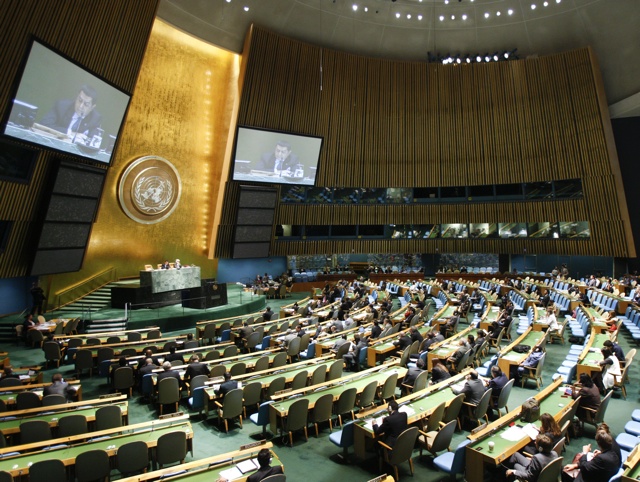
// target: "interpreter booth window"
[[420, 231], [512, 230], [292, 194], [432, 231], [541, 230], [574, 229], [317, 231], [568, 189], [373, 196], [345, 196], [400, 231], [344, 231], [508, 192], [319, 195], [399, 195], [453, 194], [5, 229], [371, 230], [538, 190], [425, 195], [456, 231], [288, 231], [483, 230], [480, 193]]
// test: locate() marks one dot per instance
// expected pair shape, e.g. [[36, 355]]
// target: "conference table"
[[228, 466], [508, 433], [509, 357], [279, 409], [591, 356], [382, 349], [107, 440], [446, 348], [8, 394], [632, 466], [11, 426], [418, 406], [103, 336]]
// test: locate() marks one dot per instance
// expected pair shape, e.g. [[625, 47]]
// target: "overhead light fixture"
[[355, 7], [510, 11], [453, 17], [442, 18], [246, 8], [420, 16], [486, 14], [498, 13], [533, 6], [397, 15], [464, 17], [409, 16]]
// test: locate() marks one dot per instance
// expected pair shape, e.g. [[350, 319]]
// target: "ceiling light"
[[228, 1], [533, 6], [366, 9], [355, 7], [495, 57], [446, 2], [397, 15], [246, 9], [545, 4], [408, 15], [498, 13], [442, 18], [453, 17], [510, 11], [558, 1], [420, 16], [464, 17], [486, 14]]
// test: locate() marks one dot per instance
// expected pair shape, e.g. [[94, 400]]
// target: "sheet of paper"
[[406, 409], [531, 430], [513, 434], [232, 473], [247, 466]]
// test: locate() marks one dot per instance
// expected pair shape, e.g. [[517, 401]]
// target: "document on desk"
[[513, 434], [248, 465], [531, 430], [406, 409], [231, 474], [458, 386], [368, 424]]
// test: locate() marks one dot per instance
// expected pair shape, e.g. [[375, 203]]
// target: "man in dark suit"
[[146, 368], [392, 426], [59, 387], [265, 470], [76, 118], [226, 386], [603, 465], [413, 372], [473, 389], [195, 368], [525, 468], [173, 356], [280, 160], [168, 372]]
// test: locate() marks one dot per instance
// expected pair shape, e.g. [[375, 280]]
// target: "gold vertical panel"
[[181, 111], [408, 124]]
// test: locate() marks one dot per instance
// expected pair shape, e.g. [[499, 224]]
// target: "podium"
[[208, 295]]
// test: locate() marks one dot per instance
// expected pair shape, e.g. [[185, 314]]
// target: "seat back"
[[279, 360], [51, 351], [346, 401], [347, 438], [368, 394], [276, 385], [196, 382], [403, 447], [261, 364], [319, 374], [172, 447], [72, 425], [253, 339], [52, 470], [26, 400], [230, 351], [458, 463], [602, 410], [551, 471], [238, 368], [453, 409], [251, 393], [53, 399], [335, 370], [389, 387], [92, 465], [503, 399], [435, 418], [33, 431], [109, 416], [168, 391], [297, 416], [443, 438], [300, 380], [323, 408], [123, 378], [421, 382], [132, 457], [263, 414], [232, 403]]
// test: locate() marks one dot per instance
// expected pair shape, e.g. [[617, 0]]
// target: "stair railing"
[[81, 289]]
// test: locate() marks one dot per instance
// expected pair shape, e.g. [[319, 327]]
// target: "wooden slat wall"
[[406, 124], [108, 37]]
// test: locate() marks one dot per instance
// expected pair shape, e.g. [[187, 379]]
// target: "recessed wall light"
[[510, 11], [464, 17], [486, 14], [442, 18], [355, 7], [533, 6], [246, 9]]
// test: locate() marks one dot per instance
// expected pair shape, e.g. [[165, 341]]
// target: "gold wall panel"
[[180, 111], [408, 124]]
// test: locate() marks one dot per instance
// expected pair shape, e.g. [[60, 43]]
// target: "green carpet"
[[310, 460]]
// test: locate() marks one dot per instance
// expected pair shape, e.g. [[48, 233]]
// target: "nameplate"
[[281, 392], [379, 478], [109, 395], [170, 415], [252, 445]]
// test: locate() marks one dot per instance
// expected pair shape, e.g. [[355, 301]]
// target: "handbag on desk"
[[530, 410]]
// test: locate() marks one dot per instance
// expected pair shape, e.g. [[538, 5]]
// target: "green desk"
[[419, 406], [279, 410], [448, 347], [552, 400], [510, 358], [11, 427], [591, 356], [19, 464]]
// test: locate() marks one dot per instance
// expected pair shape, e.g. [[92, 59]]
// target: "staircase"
[[94, 301]]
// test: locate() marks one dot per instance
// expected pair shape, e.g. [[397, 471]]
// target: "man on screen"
[[77, 118], [279, 161]]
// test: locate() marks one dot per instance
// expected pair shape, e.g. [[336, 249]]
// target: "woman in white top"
[[612, 365], [551, 320]]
